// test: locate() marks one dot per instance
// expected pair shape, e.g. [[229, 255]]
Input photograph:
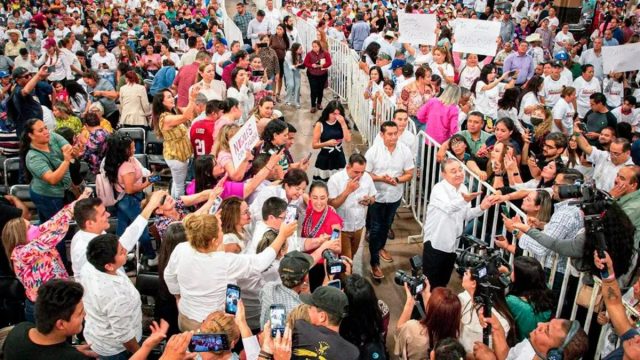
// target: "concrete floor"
[[403, 226]]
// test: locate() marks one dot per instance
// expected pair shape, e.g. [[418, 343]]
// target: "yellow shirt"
[[176, 143]]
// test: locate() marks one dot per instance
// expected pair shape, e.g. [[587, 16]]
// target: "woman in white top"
[[613, 88], [293, 64], [235, 216], [563, 112], [243, 89], [199, 270], [167, 53], [530, 98], [53, 58], [134, 101], [78, 28], [441, 66], [209, 87], [469, 68], [561, 39], [178, 43], [487, 89]]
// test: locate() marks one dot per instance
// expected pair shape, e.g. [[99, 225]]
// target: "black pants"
[[114, 119], [437, 265], [316, 87]]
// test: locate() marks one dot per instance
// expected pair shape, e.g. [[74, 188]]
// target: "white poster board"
[[417, 28], [621, 58], [476, 36], [245, 139]]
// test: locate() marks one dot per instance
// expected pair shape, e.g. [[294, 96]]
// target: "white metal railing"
[[307, 32], [231, 30]]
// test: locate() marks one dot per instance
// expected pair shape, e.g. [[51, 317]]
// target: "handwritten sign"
[[621, 58], [244, 140], [476, 36], [417, 28]]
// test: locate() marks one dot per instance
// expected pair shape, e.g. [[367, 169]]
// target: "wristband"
[[610, 278]]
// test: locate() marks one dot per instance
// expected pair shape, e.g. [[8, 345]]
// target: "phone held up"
[[231, 299]]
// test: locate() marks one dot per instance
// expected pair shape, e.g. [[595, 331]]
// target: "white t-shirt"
[[551, 90], [528, 99], [468, 75], [584, 89], [632, 118], [564, 112], [448, 71], [614, 91], [351, 211], [487, 100]]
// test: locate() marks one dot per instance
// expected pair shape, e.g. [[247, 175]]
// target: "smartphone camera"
[[333, 262], [209, 342], [231, 299], [291, 214], [278, 319], [257, 73]]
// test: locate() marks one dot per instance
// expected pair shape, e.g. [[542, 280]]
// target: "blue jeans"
[[292, 80], [121, 356], [382, 215], [128, 208], [47, 206]]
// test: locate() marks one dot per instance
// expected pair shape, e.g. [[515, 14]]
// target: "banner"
[[246, 138], [417, 28], [476, 36], [621, 58]]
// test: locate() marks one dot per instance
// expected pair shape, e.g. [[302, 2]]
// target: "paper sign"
[[246, 138], [621, 58], [476, 36], [417, 28]]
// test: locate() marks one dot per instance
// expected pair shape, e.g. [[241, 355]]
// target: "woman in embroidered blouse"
[[319, 219], [95, 144], [32, 251], [170, 127], [209, 87]]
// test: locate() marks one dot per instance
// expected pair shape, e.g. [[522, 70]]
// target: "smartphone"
[[51, 69], [532, 154], [583, 127], [231, 300], [363, 58], [335, 283], [307, 158], [262, 45], [292, 213], [278, 319], [154, 178], [257, 73], [505, 210], [335, 234], [164, 197], [208, 342], [216, 205]]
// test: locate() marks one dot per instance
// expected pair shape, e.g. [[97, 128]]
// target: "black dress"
[[330, 159]]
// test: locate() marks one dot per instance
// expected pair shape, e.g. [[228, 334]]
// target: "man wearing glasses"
[[554, 145], [24, 103], [606, 164]]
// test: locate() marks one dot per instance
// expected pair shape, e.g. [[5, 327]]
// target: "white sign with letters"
[[243, 141], [621, 58], [417, 28], [476, 36]]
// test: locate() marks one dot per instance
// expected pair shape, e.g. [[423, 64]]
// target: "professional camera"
[[333, 262], [415, 280]]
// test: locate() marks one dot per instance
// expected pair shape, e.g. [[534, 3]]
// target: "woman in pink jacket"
[[440, 115]]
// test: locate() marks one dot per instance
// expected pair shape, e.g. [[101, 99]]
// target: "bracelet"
[[515, 174], [611, 277], [265, 355]]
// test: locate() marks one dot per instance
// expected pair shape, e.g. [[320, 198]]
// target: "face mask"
[[536, 121]]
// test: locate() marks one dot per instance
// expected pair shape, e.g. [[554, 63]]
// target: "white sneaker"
[[152, 262]]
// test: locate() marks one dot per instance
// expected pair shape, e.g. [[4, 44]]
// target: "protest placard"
[[621, 58], [244, 140], [476, 36], [417, 28]]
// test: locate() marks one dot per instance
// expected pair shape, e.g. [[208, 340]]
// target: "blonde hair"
[[202, 230], [201, 69], [219, 322], [300, 312], [14, 234], [222, 138], [545, 127], [451, 96]]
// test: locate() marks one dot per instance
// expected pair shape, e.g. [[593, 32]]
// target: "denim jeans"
[[47, 206], [292, 79], [121, 356], [382, 215], [179, 172], [128, 208]]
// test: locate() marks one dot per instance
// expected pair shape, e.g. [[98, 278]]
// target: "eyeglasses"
[[613, 154], [547, 146]]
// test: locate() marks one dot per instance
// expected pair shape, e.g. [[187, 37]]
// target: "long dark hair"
[[332, 106], [618, 234], [509, 99], [484, 74], [379, 71], [25, 145], [273, 128], [157, 109], [118, 151], [533, 85], [284, 34], [372, 51], [203, 169], [530, 283], [363, 325]]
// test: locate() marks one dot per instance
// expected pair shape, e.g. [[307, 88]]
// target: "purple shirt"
[[523, 63]]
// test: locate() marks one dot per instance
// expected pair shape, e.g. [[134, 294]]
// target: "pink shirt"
[[231, 188], [441, 120], [127, 167], [186, 77], [222, 121]]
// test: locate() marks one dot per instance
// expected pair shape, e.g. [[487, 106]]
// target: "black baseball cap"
[[295, 265], [19, 72], [329, 299], [556, 64]]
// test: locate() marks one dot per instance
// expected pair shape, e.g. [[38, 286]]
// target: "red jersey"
[[201, 134]]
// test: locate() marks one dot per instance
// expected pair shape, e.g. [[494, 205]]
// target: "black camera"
[[483, 264], [415, 280], [333, 262]]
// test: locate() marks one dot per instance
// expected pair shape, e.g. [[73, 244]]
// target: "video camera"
[[415, 281], [333, 262]]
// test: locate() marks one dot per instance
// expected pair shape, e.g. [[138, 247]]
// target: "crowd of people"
[[254, 251]]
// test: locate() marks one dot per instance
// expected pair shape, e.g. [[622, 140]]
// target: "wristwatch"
[[397, 180], [515, 232]]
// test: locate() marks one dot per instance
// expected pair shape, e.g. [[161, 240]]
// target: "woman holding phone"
[[317, 63]]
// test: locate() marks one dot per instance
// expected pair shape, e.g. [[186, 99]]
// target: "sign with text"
[[243, 141], [476, 36], [621, 58], [417, 28]]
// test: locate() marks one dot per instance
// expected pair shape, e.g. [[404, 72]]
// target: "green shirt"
[[475, 145], [39, 162], [526, 319], [630, 204]]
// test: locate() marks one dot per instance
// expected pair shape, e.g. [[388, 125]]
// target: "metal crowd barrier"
[[307, 33], [231, 30]]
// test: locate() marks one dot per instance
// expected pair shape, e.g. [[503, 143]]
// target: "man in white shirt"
[[272, 15], [406, 137], [104, 63], [606, 164], [449, 208], [220, 56], [553, 85], [258, 27], [594, 57], [351, 191], [586, 85], [390, 165], [113, 324], [567, 335], [337, 32], [627, 112], [93, 220]]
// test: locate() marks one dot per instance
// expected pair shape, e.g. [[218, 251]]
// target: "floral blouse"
[[411, 99], [38, 261], [95, 149], [163, 222]]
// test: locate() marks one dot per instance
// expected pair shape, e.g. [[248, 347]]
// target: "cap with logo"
[[328, 299], [19, 72], [295, 265], [397, 63]]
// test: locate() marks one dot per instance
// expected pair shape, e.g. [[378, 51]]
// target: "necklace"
[[306, 226]]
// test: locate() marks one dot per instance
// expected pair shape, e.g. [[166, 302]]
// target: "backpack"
[[105, 190]]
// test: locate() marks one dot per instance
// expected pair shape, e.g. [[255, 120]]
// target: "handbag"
[[584, 298]]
